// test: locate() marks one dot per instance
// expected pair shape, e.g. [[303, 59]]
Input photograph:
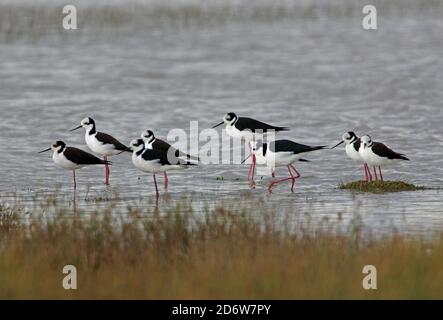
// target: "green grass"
[[381, 187], [221, 254]]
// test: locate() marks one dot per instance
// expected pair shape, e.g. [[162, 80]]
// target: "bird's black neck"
[[92, 131], [265, 148], [139, 152]]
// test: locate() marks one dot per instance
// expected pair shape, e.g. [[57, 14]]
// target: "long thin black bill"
[[337, 144], [76, 128], [217, 125], [246, 159], [46, 150]]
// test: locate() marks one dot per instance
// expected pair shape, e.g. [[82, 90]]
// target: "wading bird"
[[352, 146], [154, 161], [71, 158], [151, 142], [249, 129], [376, 154], [282, 153], [101, 143]]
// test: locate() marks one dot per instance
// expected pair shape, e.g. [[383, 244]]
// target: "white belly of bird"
[[353, 154], [99, 148], [61, 161], [152, 166], [281, 159], [374, 160], [248, 135]]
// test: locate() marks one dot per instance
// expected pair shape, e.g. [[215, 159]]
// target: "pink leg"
[[106, 171], [295, 170], [366, 173], [381, 176], [298, 175], [250, 166], [292, 177], [278, 181], [369, 172], [375, 174], [166, 180], [75, 182], [156, 188], [249, 172], [254, 160]]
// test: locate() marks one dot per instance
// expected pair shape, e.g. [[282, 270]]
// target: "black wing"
[[255, 125], [166, 147], [107, 139], [291, 146], [383, 151], [357, 144], [162, 157], [82, 157]]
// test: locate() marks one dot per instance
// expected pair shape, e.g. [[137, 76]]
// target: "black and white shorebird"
[[101, 143], [71, 158], [282, 153], [352, 146], [377, 154], [155, 161], [250, 130], [151, 142]]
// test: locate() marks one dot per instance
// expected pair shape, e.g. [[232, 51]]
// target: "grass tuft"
[[381, 187], [221, 254]]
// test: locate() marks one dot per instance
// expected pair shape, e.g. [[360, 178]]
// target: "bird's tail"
[[125, 150], [106, 162], [282, 129], [403, 157], [304, 160], [188, 156], [318, 148]]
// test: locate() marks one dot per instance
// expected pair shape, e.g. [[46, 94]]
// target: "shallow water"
[[310, 67]]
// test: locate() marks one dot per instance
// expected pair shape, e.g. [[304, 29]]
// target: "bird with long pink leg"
[[151, 142], [377, 154], [101, 143], [250, 130], [352, 146], [155, 161], [71, 158], [282, 153]]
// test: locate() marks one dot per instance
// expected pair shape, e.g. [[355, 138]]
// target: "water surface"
[[311, 67]]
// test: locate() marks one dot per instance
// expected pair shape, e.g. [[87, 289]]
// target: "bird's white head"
[[148, 136], [87, 123], [258, 151], [253, 145], [228, 119], [256, 148], [347, 138], [137, 145], [58, 146], [366, 141]]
